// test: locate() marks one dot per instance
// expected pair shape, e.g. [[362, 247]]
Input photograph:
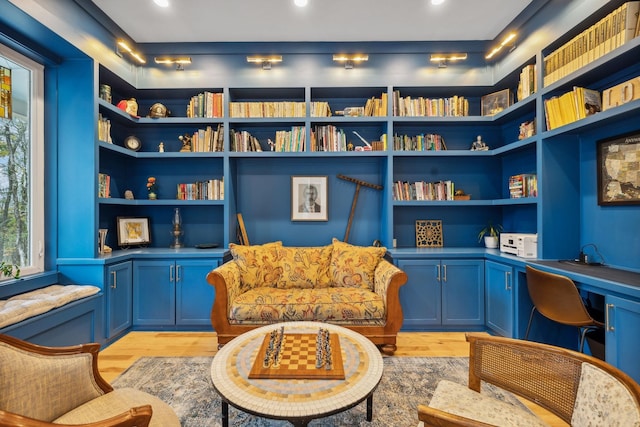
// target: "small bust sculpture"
[[128, 195]]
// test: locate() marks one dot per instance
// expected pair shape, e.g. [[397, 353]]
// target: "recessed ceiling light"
[[300, 3], [162, 3]]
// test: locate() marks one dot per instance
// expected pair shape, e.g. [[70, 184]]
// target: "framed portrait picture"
[[133, 231], [617, 170], [309, 198], [494, 103]]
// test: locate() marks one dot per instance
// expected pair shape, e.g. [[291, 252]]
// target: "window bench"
[[54, 315]]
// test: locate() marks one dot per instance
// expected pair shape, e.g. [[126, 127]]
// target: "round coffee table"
[[296, 400]]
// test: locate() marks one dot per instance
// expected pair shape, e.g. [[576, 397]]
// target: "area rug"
[[185, 384]]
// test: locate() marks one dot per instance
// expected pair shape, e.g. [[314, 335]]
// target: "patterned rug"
[[185, 384]]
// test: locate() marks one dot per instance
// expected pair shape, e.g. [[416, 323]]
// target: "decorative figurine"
[[130, 106], [152, 187], [350, 146], [272, 145], [128, 195], [186, 143], [161, 147], [479, 145]]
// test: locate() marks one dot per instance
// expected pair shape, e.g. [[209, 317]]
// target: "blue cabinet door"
[[194, 295], [499, 297], [154, 296], [621, 337], [462, 292], [420, 297], [119, 296]]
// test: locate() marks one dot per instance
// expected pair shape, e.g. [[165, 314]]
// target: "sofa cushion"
[[259, 265], [354, 266], [330, 304], [305, 267], [117, 402]]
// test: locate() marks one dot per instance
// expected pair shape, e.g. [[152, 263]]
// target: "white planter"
[[491, 242]]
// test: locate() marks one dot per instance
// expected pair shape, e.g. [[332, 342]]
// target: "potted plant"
[[6, 270], [490, 233]]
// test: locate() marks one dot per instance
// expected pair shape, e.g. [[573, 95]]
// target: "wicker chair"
[[46, 386], [578, 388]]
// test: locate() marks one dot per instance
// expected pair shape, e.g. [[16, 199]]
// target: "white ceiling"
[[319, 21]]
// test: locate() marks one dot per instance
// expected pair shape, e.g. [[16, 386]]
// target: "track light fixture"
[[349, 59], [443, 58], [266, 61], [122, 46], [509, 40], [179, 61]]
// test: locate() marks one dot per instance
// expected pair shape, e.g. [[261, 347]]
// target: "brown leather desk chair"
[[557, 298]]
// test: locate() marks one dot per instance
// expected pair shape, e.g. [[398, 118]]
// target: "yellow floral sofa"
[[343, 284]]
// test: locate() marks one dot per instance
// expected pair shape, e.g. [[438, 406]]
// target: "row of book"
[[611, 32], [212, 189], [104, 186], [260, 109], [208, 140], [207, 105], [104, 129], [290, 140], [421, 190], [455, 106], [528, 82], [243, 141], [422, 142], [320, 109], [328, 138], [523, 185], [376, 107], [571, 106]]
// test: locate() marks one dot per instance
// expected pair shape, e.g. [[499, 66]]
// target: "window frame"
[[36, 163]]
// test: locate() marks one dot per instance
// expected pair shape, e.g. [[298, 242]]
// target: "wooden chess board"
[[299, 360]]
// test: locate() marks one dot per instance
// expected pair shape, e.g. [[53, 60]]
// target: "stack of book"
[[611, 32], [208, 140], [212, 189], [455, 106], [243, 141], [376, 107], [207, 105], [267, 109], [422, 142], [571, 106], [420, 190], [104, 129], [523, 185], [328, 138], [320, 109], [528, 82], [104, 186]]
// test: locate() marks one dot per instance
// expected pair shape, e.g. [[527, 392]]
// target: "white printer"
[[519, 244]]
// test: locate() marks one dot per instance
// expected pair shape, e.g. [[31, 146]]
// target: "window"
[[21, 162]]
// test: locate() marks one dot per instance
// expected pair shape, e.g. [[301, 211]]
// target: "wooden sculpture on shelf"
[[358, 183]]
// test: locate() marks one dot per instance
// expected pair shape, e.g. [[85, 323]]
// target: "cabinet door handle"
[[507, 280], [178, 270], [114, 283], [171, 268], [607, 319], [444, 273], [438, 272]]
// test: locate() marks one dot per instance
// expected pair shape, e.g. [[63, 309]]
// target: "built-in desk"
[[620, 290]]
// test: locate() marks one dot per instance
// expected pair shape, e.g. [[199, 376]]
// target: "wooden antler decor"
[[359, 183]]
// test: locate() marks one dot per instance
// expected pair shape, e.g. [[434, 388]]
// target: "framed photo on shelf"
[[309, 198], [495, 102], [133, 231], [617, 170]]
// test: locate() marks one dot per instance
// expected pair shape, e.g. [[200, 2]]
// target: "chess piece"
[[161, 147]]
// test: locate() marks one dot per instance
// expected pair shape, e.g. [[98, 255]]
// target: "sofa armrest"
[[387, 281]]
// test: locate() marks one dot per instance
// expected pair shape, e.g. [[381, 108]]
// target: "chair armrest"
[[437, 418], [135, 417], [226, 279]]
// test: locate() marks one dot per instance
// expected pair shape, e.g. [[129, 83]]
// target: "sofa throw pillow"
[[258, 264], [305, 267], [354, 266]]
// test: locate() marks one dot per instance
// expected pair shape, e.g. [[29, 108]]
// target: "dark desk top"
[[599, 271]]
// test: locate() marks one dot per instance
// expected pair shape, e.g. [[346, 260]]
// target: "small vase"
[[490, 242], [152, 196]]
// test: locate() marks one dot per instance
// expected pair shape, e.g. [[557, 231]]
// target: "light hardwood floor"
[[116, 358]]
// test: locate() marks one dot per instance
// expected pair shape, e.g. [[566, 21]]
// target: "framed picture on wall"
[[309, 198], [133, 231], [617, 170], [495, 102]]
